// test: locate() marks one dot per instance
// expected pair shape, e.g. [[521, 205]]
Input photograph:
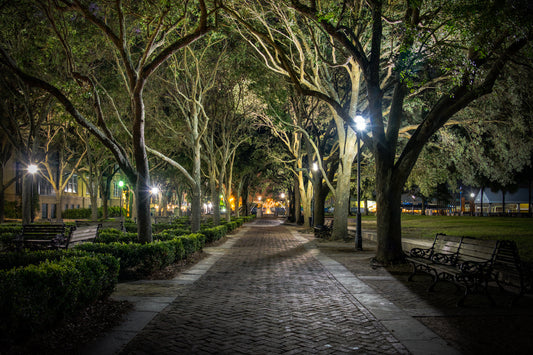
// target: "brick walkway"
[[267, 295]]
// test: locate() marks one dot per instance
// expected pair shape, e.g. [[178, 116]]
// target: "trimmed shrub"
[[35, 296], [170, 234], [138, 260], [130, 227], [192, 243], [85, 213], [159, 227], [215, 233], [112, 236]]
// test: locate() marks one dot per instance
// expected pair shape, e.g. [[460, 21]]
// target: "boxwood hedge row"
[[138, 260], [44, 287]]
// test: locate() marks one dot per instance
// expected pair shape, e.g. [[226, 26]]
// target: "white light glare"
[[360, 123], [32, 168]]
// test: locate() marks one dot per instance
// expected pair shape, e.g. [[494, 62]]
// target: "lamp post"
[[360, 126], [314, 168], [121, 185], [32, 169], [282, 197], [155, 191]]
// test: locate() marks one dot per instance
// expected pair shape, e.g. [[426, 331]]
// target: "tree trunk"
[[297, 201], [59, 200], [389, 231], [318, 213], [342, 191], [94, 205], [142, 188], [2, 205], [196, 208], [238, 198], [26, 198], [340, 214], [245, 193], [214, 200], [2, 195], [503, 201]]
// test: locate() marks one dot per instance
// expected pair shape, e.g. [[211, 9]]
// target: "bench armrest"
[[444, 259], [420, 253], [475, 267]]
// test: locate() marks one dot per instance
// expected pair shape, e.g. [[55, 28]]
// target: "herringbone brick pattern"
[[267, 295]]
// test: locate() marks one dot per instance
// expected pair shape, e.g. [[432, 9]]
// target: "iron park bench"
[[324, 231], [469, 263], [82, 234], [43, 236]]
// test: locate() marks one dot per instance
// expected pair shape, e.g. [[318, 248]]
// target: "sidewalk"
[[274, 289]]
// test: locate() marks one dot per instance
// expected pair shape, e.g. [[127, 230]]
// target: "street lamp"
[[32, 169], [121, 185], [155, 191], [360, 126], [314, 169]]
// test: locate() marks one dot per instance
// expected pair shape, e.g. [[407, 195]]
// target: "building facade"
[[75, 193]]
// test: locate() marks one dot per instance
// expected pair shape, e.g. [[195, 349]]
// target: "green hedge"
[[130, 227], [215, 233], [36, 296], [85, 213], [170, 234], [138, 260], [159, 227], [111, 235]]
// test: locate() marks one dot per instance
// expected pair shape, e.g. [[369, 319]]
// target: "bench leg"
[[473, 284]]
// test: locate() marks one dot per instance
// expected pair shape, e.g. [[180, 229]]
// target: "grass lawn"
[[518, 229]]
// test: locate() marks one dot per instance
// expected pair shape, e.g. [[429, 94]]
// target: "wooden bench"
[[443, 251], [83, 234], [324, 231], [43, 236], [113, 224], [509, 272], [469, 263]]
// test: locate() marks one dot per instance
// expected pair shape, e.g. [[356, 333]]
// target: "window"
[[53, 211], [116, 190], [66, 207], [44, 211], [72, 185], [45, 188]]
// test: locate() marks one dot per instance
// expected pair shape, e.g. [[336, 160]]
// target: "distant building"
[[75, 194], [495, 202]]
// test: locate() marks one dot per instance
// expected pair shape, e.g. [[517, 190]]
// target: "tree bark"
[[142, 186], [26, 198], [196, 208], [297, 200], [388, 216]]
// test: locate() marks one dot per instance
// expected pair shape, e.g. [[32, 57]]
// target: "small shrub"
[[35, 296], [215, 233]]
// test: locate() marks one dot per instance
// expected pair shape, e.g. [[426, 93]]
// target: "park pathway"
[[268, 294]]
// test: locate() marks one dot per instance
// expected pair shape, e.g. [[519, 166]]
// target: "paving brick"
[[267, 294]]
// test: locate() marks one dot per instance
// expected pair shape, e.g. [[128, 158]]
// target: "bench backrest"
[[507, 267], [446, 244], [83, 234], [43, 231], [477, 250]]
